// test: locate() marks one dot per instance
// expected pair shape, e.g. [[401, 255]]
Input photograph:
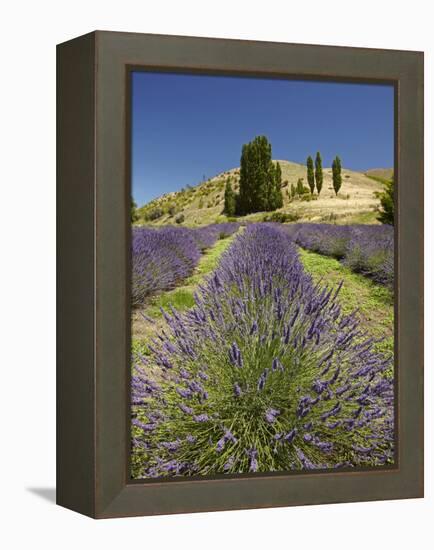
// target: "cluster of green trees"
[[315, 177], [298, 190], [260, 181]]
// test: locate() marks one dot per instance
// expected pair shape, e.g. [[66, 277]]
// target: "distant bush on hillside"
[[154, 214], [281, 217], [180, 219], [301, 189], [134, 213], [307, 198]]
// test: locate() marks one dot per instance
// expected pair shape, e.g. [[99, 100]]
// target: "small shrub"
[[154, 214], [180, 219], [331, 218], [281, 217], [307, 198]]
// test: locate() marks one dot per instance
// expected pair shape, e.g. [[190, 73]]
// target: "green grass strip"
[[182, 297], [374, 302]]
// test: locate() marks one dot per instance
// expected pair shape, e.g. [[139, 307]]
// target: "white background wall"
[[29, 32]]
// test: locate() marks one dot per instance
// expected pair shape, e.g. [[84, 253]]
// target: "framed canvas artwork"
[[240, 274]]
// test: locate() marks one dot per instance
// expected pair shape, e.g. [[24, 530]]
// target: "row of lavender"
[[265, 374], [163, 257], [366, 249]]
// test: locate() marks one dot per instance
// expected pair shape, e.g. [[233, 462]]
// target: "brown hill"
[[203, 204]]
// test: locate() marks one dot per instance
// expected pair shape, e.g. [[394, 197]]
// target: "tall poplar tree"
[[337, 175], [276, 199], [310, 174], [318, 173], [229, 208]]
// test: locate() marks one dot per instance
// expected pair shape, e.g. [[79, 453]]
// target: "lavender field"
[[366, 249], [270, 370], [163, 257]]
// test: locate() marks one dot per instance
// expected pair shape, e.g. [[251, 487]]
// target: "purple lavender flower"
[[185, 409], [276, 365], [271, 414], [227, 436], [201, 418], [183, 392], [253, 454], [289, 437], [229, 464], [262, 380], [235, 355], [237, 390], [253, 328], [171, 445], [220, 444], [319, 386], [324, 446], [143, 426]]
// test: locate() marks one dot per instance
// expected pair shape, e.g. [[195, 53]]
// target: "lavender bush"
[[162, 257], [208, 235], [264, 374], [366, 249]]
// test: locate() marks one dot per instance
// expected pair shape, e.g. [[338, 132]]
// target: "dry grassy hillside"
[[381, 173], [203, 204]]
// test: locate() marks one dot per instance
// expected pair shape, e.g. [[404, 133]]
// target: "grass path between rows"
[[374, 301], [181, 297]]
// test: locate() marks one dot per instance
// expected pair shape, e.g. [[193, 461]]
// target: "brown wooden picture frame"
[[93, 358]]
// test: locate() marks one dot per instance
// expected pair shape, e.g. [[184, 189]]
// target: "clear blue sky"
[[185, 127]]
